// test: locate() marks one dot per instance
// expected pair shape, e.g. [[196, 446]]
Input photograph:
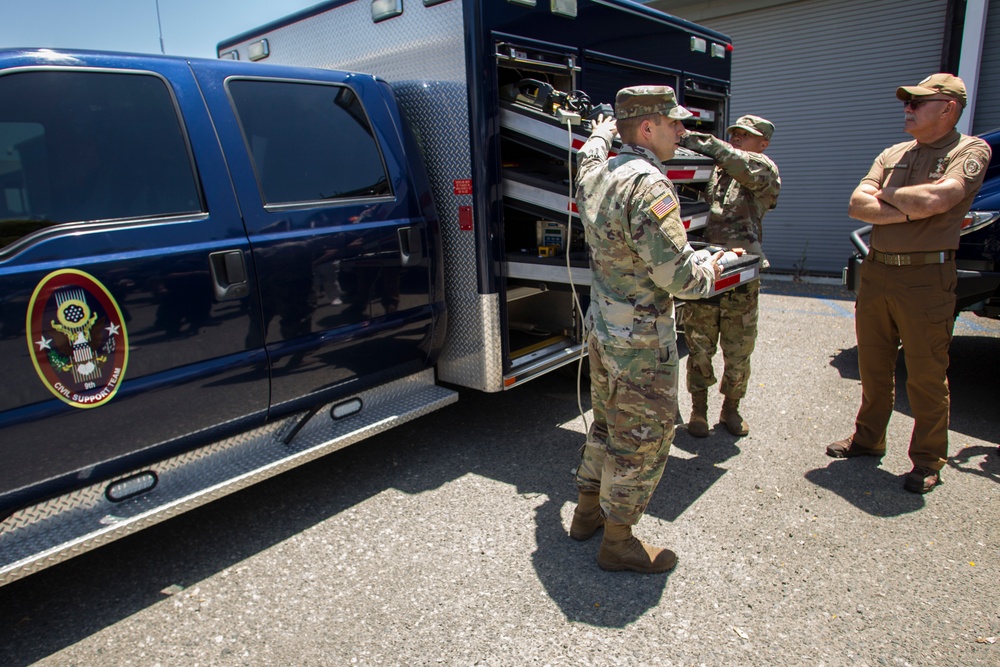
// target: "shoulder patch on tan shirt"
[[973, 165]]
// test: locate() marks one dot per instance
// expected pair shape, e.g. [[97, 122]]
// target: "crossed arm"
[[893, 205]]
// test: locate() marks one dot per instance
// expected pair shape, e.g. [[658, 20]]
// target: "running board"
[[42, 535]]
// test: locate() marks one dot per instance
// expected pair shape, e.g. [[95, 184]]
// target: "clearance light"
[[386, 9], [347, 408], [258, 50], [699, 45], [230, 55], [719, 50], [132, 486], [564, 8]]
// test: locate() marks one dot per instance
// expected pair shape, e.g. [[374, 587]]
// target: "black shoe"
[[847, 448], [921, 479]]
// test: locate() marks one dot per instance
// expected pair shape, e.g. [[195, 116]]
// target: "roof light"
[[699, 45], [258, 50], [564, 8], [718, 50], [386, 9]]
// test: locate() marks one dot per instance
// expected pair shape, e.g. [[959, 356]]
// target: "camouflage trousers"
[[634, 396], [731, 324]]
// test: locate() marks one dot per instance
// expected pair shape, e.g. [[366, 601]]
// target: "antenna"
[[160, 26]]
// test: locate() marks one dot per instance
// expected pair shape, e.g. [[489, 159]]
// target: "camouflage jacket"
[[743, 187], [639, 253]]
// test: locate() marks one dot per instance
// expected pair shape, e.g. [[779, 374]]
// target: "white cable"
[[569, 270]]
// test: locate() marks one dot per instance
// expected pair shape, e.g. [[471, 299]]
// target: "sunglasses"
[[915, 103]]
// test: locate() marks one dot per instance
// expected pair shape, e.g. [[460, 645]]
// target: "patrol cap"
[[945, 84], [754, 125], [641, 100]]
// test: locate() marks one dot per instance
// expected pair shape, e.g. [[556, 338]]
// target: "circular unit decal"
[[77, 337]]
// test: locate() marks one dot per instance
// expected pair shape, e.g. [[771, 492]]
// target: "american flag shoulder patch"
[[663, 205]]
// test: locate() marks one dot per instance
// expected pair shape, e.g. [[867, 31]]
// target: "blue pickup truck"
[[212, 271], [196, 258]]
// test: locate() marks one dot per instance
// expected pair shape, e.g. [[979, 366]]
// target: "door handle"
[[411, 246], [229, 275]]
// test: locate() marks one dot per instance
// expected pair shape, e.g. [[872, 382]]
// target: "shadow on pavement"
[[867, 486], [57, 607], [586, 594], [989, 467]]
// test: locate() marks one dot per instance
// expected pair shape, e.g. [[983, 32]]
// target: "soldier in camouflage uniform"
[[639, 258], [743, 187]]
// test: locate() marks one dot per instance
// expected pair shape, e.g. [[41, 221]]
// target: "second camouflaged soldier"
[[743, 187], [640, 258]]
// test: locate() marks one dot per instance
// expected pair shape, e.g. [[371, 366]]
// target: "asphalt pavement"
[[444, 541]]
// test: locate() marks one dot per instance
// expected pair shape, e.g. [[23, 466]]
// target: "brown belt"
[[910, 259]]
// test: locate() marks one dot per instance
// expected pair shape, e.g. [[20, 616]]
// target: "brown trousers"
[[915, 306]]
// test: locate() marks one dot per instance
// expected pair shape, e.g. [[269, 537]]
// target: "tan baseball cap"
[[762, 127], [945, 84], [642, 100]]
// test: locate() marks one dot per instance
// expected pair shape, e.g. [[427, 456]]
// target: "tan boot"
[[730, 416], [621, 551], [587, 517], [698, 424]]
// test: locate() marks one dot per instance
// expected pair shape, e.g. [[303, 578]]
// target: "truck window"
[[308, 142], [77, 146]]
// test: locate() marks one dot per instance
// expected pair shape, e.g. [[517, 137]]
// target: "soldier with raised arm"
[[743, 187], [640, 260]]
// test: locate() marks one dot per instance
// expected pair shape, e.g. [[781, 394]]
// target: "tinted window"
[[89, 146], [308, 142]]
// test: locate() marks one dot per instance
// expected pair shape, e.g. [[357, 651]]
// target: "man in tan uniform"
[[915, 195]]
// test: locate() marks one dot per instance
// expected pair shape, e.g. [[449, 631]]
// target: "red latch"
[[465, 218]]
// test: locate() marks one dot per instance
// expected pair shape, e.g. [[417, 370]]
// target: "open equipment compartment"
[[543, 325], [543, 122]]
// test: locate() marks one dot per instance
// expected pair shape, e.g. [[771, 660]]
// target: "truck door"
[[125, 290], [341, 244]]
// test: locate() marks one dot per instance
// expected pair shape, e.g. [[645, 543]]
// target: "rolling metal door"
[[988, 93], [825, 73]]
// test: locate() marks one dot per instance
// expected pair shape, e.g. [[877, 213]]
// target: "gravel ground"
[[444, 542]]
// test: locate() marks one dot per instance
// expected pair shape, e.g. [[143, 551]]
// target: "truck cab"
[[196, 257]]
